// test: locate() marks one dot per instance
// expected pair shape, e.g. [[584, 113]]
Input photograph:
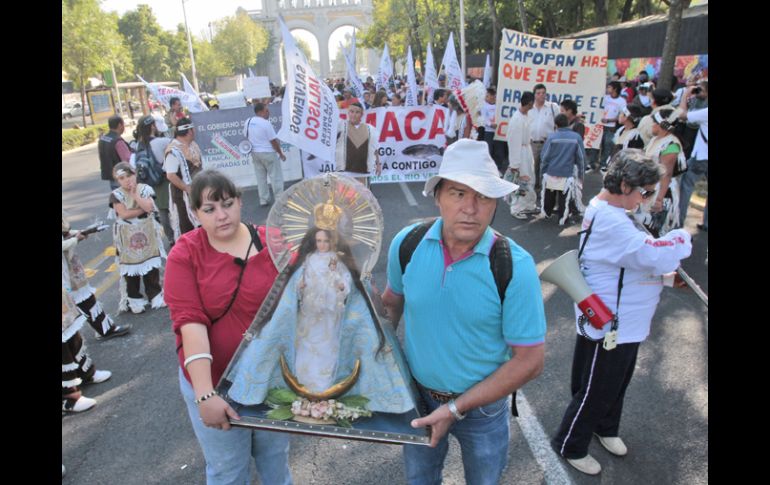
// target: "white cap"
[[160, 123], [468, 162]]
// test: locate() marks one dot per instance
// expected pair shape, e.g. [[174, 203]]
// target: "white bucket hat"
[[468, 162]]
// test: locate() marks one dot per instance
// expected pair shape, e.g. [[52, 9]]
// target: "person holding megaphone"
[[626, 268]]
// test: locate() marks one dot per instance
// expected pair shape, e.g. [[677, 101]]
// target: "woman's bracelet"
[[206, 396], [196, 357]]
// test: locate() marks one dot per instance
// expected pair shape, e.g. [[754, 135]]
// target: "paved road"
[[141, 417]]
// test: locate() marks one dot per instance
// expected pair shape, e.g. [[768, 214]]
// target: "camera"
[[697, 90]]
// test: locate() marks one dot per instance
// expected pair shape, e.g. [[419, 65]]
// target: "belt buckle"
[[441, 397]]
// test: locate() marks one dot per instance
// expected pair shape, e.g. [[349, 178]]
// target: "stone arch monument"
[[319, 17]]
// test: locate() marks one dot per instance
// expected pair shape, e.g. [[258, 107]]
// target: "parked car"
[[73, 110]]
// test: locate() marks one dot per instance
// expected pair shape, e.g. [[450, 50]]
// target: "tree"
[[239, 40], [208, 64], [148, 44], [666, 72], [89, 41]]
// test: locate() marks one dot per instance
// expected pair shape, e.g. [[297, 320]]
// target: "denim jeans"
[[607, 143], [228, 453], [483, 437], [695, 170]]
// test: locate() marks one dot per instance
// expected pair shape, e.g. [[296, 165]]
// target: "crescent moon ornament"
[[334, 391]]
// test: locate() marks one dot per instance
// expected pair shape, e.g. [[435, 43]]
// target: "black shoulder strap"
[[700, 132], [585, 239], [410, 242], [255, 236], [500, 259], [501, 264]]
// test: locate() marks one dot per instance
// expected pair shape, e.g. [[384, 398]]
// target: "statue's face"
[[322, 242]]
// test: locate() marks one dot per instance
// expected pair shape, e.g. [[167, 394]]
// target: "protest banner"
[[350, 62], [256, 87], [487, 73], [431, 79], [164, 93], [455, 79], [219, 133], [411, 141], [570, 69], [411, 81], [189, 89], [385, 71], [310, 112]]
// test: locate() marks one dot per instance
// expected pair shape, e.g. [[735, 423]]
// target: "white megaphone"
[[565, 273]]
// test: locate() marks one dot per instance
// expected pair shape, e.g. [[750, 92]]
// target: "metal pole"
[[189, 44], [462, 38], [117, 89]]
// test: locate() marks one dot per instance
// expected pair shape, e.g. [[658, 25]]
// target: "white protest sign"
[[455, 79], [256, 87], [411, 141], [570, 69]]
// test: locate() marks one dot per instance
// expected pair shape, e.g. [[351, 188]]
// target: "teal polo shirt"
[[457, 332]]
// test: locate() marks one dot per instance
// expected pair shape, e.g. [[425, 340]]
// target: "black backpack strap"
[[501, 264], [587, 232], [255, 236], [410, 243]]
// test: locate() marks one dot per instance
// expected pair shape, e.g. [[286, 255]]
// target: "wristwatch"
[[453, 409]]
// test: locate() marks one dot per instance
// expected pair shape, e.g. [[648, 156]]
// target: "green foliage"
[[280, 397], [208, 64], [344, 423], [148, 44], [354, 401], [239, 40], [73, 138], [283, 413]]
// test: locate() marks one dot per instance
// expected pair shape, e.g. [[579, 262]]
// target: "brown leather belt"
[[442, 397]]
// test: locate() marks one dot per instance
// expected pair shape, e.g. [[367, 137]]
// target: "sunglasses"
[[646, 194]]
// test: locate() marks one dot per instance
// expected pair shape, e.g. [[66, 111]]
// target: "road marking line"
[[408, 194], [113, 267], [99, 258], [539, 443], [107, 283]]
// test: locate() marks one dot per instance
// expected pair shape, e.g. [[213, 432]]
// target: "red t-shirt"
[[199, 284]]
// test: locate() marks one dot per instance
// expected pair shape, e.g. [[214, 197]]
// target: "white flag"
[[310, 113], [385, 72], [487, 73], [431, 79], [164, 93], [201, 106], [411, 82], [251, 73], [454, 74], [353, 80]]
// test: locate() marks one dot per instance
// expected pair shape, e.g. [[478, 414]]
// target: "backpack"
[[148, 170], [500, 262]]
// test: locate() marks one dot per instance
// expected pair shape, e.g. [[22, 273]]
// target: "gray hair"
[[634, 168]]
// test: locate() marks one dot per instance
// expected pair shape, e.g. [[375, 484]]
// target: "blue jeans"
[[228, 453], [483, 437], [695, 170], [607, 136]]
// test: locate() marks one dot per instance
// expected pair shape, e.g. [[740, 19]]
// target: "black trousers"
[[76, 365], [101, 322], [498, 150], [599, 381], [557, 198], [151, 284]]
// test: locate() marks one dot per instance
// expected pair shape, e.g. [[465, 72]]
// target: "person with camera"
[[627, 268], [698, 163]]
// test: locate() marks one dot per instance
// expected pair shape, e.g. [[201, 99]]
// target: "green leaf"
[[343, 423], [282, 413], [355, 401], [280, 396]]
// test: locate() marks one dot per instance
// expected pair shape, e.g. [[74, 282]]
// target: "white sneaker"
[[137, 305], [70, 405], [158, 302], [613, 444], [587, 465], [99, 376], [519, 215]]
